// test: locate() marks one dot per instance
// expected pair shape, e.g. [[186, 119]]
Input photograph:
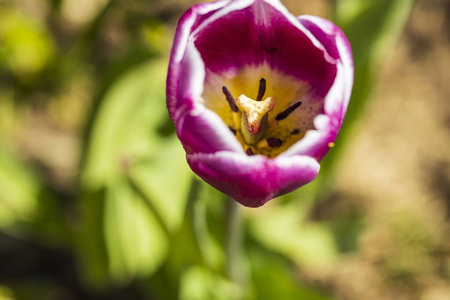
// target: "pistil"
[[254, 120], [253, 114]]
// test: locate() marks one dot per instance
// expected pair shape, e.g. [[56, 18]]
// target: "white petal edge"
[[187, 25], [337, 100], [180, 43], [224, 139], [276, 4], [346, 58]]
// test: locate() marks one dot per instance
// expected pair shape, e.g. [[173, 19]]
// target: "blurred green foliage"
[[20, 187], [127, 216], [26, 47]]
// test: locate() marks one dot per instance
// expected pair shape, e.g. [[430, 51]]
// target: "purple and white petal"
[[339, 48], [253, 180], [316, 143], [260, 33], [191, 19], [202, 131]]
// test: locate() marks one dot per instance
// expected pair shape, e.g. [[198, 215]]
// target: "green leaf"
[[6, 293], [200, 283], [135, 241], [27, 206], [281, 229], [274, 278], [129, 159], [19, 191], [89, 240], [125, 127], [26, 47], [155, 179], [194, 243]]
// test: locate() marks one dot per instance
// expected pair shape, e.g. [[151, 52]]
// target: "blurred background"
[[97, 201]]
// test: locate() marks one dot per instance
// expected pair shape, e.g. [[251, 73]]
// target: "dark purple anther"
[[261, 90], [274, 142], [283, 115], [230, 99]]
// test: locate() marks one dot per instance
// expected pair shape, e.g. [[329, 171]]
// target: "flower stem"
[[233, 242]]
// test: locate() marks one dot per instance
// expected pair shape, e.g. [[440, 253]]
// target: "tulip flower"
[[257, 95]]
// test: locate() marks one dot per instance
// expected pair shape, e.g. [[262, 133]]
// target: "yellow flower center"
[[270, 126]]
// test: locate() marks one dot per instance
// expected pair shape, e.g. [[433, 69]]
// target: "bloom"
[[257, 95]]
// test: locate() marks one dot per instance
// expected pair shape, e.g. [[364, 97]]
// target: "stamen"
[[274, 142], [261, 90], [230, 99], [249, 152], [283, 115]]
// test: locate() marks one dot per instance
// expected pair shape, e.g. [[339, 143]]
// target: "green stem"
[[234, 239]]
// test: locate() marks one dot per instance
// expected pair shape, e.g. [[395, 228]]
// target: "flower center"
[[251, 117], [295, 107]]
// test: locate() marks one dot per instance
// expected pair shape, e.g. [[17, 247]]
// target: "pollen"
[[331, 145]]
